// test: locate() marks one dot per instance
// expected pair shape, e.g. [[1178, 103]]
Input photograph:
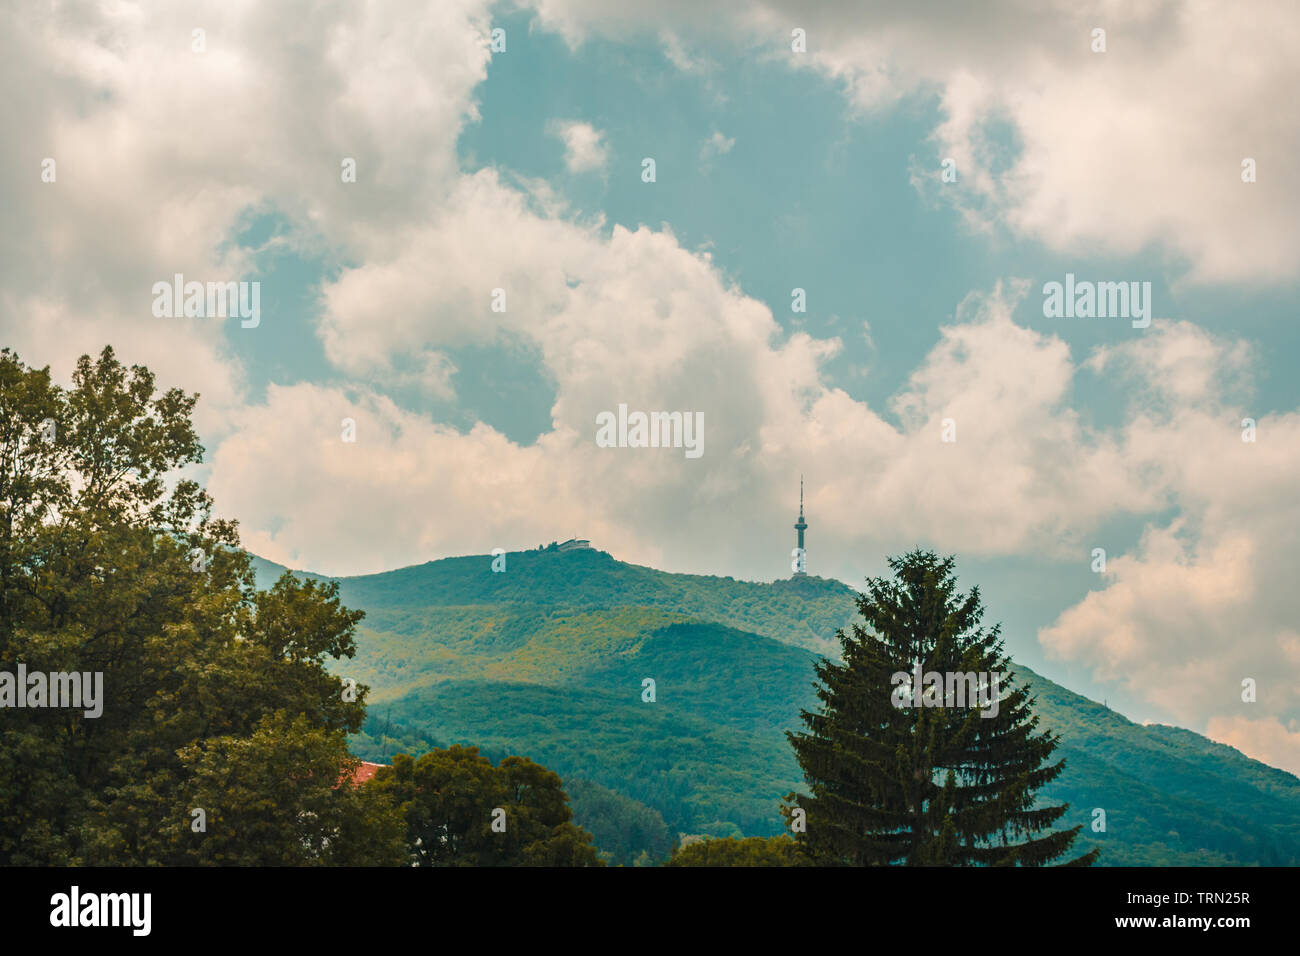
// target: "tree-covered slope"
[[1170, 795], [804, 612], [548, 660]]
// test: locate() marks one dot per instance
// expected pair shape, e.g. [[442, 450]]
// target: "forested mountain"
[[548, 660]]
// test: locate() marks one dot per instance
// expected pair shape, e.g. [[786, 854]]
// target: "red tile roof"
[[365, 772]]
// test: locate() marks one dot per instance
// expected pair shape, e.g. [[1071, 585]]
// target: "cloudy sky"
[[219, 155]]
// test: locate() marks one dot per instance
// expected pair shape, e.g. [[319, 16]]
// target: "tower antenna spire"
[[800, 526]]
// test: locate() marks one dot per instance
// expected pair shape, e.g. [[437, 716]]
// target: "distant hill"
[[802, 611], [548, 658]]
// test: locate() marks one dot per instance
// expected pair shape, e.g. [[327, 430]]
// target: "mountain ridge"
[[547, 659]]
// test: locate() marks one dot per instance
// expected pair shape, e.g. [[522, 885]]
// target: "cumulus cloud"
[[584, 147], [163, 153], [1141, 144], [1181, 364], [388, 498], [634, 318], [1204, 600], [1267, 739]]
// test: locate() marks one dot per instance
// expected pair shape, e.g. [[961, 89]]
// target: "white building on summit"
[[574, 544]]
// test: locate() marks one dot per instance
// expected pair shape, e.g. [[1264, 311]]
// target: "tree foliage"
[[215, 696], [627, 831], [941, 785], [752, 851], [460, 810]]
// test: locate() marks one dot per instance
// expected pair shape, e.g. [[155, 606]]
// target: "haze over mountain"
[[547, 659]]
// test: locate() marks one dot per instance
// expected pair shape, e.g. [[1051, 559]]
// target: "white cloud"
[[162, 153], [1267, 739], [1206, 599], [1182, 364], [584, 149], [680, 57], [716, 145], [390, 498], [1024, 473], [1139, 145]]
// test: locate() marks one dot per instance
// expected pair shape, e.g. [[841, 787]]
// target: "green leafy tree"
[[950, 783], [262, 816], [110, 563], [451, 798], [628, 832], [751, 851]]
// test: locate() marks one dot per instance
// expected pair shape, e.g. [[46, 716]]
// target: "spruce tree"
[[949, 783]]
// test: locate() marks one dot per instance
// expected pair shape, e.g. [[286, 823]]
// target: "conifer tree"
[[949, 783]]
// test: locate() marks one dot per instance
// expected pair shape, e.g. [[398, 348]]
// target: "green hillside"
[[548, 658], [803, 612]]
